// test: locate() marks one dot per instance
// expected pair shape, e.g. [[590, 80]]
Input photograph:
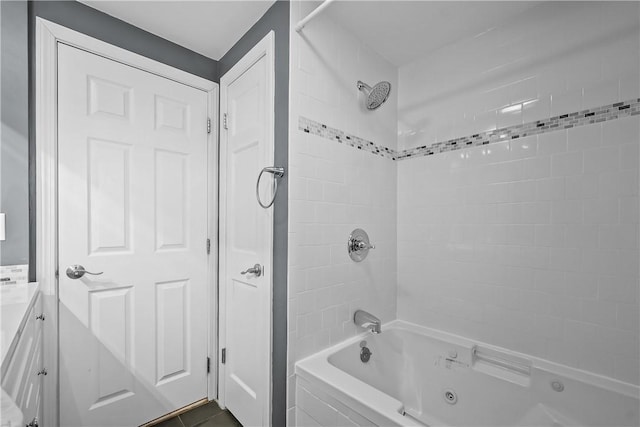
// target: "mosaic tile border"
[[324, 131], [565, 121]]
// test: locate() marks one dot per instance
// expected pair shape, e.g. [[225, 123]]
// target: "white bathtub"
[[412, 369]]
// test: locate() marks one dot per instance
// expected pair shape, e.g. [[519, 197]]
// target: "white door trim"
[[48, 35], [264, 48]]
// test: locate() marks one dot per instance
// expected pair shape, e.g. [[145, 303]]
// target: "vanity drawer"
[[32, 383], [26, 360]]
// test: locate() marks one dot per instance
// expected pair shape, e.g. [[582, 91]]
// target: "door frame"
[[265, 48], [48, 35]]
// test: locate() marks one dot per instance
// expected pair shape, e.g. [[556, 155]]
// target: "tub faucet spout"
[[367, 321]]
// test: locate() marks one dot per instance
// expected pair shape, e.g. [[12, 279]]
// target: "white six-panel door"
[[246, 235], [132, 194]]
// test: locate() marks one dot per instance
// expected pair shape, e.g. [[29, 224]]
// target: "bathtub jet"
[[368, 321]]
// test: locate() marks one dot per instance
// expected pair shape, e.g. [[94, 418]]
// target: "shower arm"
[[363, 85], [300, 25]]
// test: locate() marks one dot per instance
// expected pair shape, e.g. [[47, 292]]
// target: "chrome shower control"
[[358, 245]]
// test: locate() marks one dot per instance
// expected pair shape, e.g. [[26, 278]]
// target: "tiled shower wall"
[[335, 188], [555, 58], [531, 243]]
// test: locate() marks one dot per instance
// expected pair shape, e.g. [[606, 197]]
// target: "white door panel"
[[246, 236], [132, 189]]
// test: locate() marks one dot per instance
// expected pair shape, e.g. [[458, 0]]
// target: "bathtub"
[[418, 376]]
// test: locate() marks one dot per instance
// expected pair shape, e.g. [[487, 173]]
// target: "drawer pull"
[[40, 317], [33, 423], [43, 371]]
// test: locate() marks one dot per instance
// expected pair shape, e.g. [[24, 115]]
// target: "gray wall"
[[276, 19], [94, 23], [14, 176], [99, 25]]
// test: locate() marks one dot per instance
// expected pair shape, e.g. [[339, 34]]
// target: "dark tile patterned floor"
[[209, 415]]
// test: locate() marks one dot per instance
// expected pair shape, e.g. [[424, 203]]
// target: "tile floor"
[[209, 415]]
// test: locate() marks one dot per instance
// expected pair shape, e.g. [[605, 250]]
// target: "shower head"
[[377, 95]]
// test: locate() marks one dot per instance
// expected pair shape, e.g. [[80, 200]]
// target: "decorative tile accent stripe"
[[564, 121], [324, 131]]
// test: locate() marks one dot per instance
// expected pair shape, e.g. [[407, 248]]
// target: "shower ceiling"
[[401, 31]]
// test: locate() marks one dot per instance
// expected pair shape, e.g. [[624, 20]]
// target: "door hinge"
[[208, 125], [225, 122], [223, 358], [208, 246], [208, 364], [57, 274]]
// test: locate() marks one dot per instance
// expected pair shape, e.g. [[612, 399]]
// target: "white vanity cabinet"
[[22, 364]]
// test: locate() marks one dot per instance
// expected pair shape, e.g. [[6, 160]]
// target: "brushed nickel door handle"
[[76, 271], [256, 269]]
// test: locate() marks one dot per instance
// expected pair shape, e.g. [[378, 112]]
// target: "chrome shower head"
[[377, 95]]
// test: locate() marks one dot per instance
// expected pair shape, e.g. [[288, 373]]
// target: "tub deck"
[[419, 376]]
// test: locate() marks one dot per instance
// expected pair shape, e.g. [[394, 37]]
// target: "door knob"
[[76, 271], [256, 269]]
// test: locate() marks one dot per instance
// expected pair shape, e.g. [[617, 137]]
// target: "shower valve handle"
[[360, 245]]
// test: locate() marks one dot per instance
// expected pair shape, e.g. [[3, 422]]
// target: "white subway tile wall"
[[553, 59], [529, 243], [537, 253], [335, 188]]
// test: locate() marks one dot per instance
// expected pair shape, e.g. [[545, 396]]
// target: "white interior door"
[[132, 190], [246, 235]]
